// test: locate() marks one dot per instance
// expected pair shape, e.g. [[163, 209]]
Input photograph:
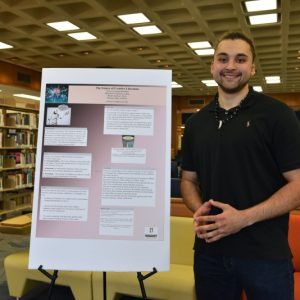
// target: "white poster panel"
[[102, 183]]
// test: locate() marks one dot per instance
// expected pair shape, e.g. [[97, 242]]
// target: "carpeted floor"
[[9, 243]]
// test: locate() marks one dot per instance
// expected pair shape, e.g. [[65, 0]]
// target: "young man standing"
[[241, 177]]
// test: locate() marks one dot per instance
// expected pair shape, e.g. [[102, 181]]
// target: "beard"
[[231, 90]]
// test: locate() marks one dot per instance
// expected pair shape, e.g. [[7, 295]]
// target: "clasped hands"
[[212, 228]]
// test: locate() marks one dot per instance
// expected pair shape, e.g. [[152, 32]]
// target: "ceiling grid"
[[36, 45]]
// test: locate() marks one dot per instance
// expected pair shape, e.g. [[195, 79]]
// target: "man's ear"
[[253, 69]]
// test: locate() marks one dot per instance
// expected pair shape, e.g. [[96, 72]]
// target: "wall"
[[18, 76]]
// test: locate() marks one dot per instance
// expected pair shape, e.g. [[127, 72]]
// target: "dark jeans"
[[223, 278]]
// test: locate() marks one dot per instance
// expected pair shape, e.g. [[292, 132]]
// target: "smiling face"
[[56, 92], [233, 65]]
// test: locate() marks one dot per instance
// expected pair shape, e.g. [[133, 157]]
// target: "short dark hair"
[[235, 35]]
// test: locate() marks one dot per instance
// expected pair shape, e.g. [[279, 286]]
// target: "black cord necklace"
[[229, 114]]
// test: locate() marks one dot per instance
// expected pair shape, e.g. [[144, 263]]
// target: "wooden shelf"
[[29, 166], [18, 127], [18, 208], [19, 108], [16, 188], [19, 148]]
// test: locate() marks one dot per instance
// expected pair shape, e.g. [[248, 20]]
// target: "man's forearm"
[[190, 194], [281, 202]]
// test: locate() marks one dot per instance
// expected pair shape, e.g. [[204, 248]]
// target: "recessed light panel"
[[205, 52], [82, 36], [176, 85], [272, 79], [5, 46], [210, 82], [257, 88], [199, 45], [260, 5], [144, 30], [263, 19], [134, 18], [63, 26]]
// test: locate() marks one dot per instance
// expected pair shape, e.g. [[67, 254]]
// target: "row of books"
[[18, 138], [16, 179], [12, 118], [19, 158], [12, 200]]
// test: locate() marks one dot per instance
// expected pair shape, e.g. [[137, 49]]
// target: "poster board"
[[102, 182]]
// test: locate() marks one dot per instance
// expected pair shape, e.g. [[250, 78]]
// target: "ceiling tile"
[[23, 25]]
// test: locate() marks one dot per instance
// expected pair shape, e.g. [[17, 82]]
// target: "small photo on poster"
[[128, 141], [58, 116], [57, 93]]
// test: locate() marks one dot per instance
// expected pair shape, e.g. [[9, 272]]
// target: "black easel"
[[54, 276], [104, 285], [141, 279], [51, 277]]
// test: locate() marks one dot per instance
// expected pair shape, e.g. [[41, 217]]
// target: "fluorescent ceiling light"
[[210, 82], [26, 96], [273, 82], [257, 88], [272, 79], [134, 18], [199, 45], [143, 30], [263, 19], [82, 36], [260, 5], [176, 85], [5, 46], [63, 26], [204, 52]]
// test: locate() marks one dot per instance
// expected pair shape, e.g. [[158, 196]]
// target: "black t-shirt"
[[242, 164]]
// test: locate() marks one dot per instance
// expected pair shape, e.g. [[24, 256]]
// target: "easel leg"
[[142, 286], [104, 285], [141, 279], [52, 284], [52, 278]]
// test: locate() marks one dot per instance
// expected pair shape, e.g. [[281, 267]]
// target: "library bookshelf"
[[18, 138]]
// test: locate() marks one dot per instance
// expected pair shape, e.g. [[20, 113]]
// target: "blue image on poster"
[[57, 93]]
